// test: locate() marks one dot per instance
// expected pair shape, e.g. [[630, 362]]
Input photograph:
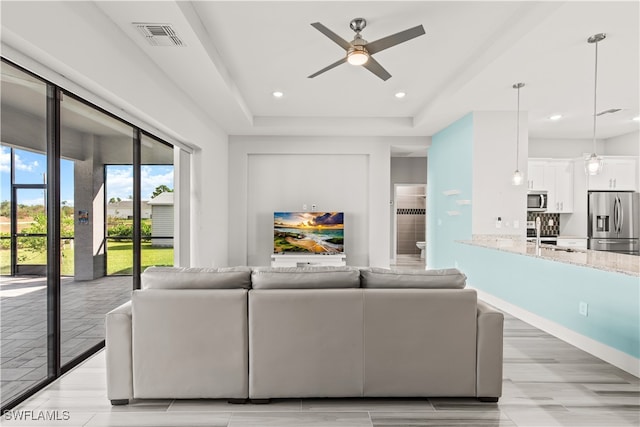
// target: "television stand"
[[296, 260]]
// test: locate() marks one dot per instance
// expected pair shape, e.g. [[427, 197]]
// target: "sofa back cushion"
[[305, 278], [196, 278], [420, 342], [449, 278], [190, 344]]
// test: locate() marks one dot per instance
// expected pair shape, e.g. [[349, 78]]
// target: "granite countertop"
[[607, 261]]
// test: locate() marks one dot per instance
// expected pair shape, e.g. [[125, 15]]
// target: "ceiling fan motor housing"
[[358, 24]]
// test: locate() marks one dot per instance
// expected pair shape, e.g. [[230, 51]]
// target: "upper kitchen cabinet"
[[535, 175], [556, 178], [618, 173]]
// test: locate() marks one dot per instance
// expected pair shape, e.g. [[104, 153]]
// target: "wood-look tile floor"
[[546, 383], [409, 262]]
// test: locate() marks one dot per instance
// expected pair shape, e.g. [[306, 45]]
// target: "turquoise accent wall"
[[450, 163], [548, 289], [554, 291]]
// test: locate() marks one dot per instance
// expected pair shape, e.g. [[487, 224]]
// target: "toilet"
[[421, 246]]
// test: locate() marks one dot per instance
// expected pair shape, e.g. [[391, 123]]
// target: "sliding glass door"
[[85, 205], [90, 140], [24, 308]]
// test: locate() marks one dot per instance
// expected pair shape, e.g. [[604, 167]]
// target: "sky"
[[31, 167]]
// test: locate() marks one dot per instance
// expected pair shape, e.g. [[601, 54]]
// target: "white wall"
[[623, 145], [268, 173], [182, 205], [286, 182], [562, 148], [408, 170], [494, 161]]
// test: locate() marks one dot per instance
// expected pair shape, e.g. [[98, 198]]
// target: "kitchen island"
[[607, 261], [590, 299]]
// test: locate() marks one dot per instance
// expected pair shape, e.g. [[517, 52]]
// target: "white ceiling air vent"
[[159, 34], [609, 111]]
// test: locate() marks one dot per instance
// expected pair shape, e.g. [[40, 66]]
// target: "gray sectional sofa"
[[241, 333]]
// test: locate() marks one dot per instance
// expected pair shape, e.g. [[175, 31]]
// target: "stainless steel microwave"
[[537, 201]]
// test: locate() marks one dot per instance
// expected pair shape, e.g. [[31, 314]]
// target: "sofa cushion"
[[305, 278], [448, 278], [196, 278]]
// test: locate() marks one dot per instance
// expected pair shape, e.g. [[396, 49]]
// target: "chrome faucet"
[[538, 225]]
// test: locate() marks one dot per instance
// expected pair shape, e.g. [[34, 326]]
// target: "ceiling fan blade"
[[333, 36], [377, 69], [327, 68], [394, 39]]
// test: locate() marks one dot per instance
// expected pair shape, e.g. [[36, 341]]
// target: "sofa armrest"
[[489, 352], [119, 354]]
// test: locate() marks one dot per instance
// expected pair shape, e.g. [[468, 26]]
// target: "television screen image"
[[308, 232]]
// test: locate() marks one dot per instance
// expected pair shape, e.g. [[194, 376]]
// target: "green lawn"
[[119, 258]]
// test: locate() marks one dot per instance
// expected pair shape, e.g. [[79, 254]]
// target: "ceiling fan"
[[359, 51]]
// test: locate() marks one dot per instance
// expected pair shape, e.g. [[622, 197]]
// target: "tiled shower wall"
[[411, 216]]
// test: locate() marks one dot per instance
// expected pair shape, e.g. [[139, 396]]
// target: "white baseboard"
[[609, 354]]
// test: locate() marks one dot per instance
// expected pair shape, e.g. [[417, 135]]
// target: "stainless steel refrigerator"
[[614, 221]]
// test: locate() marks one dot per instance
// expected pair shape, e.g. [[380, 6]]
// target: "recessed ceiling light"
[[400, 95], [555, 117], [636, 118], [278, 94]]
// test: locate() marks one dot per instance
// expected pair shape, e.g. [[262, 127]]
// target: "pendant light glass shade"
[[517, 177], [593, 163]]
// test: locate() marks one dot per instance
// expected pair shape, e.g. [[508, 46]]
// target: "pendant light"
[[593, 164], [517, 178]]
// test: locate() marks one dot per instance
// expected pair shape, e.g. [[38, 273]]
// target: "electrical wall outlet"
[[304, 207], [583, 308], [313, 208]]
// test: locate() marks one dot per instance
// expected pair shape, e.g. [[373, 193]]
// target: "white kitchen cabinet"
[[535, 175], [618, 173], [556, 178]]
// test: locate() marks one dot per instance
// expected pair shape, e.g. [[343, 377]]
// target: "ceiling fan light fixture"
[[357, 56]]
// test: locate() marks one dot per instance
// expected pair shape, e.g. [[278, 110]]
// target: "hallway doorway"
[[410, 225]]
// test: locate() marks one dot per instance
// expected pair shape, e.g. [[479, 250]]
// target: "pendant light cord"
[[595, 92], [518, 129]]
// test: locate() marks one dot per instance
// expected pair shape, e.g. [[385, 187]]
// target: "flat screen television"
[[308, 232]]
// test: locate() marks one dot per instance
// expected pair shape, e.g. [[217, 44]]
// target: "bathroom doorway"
[[410, 225]]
